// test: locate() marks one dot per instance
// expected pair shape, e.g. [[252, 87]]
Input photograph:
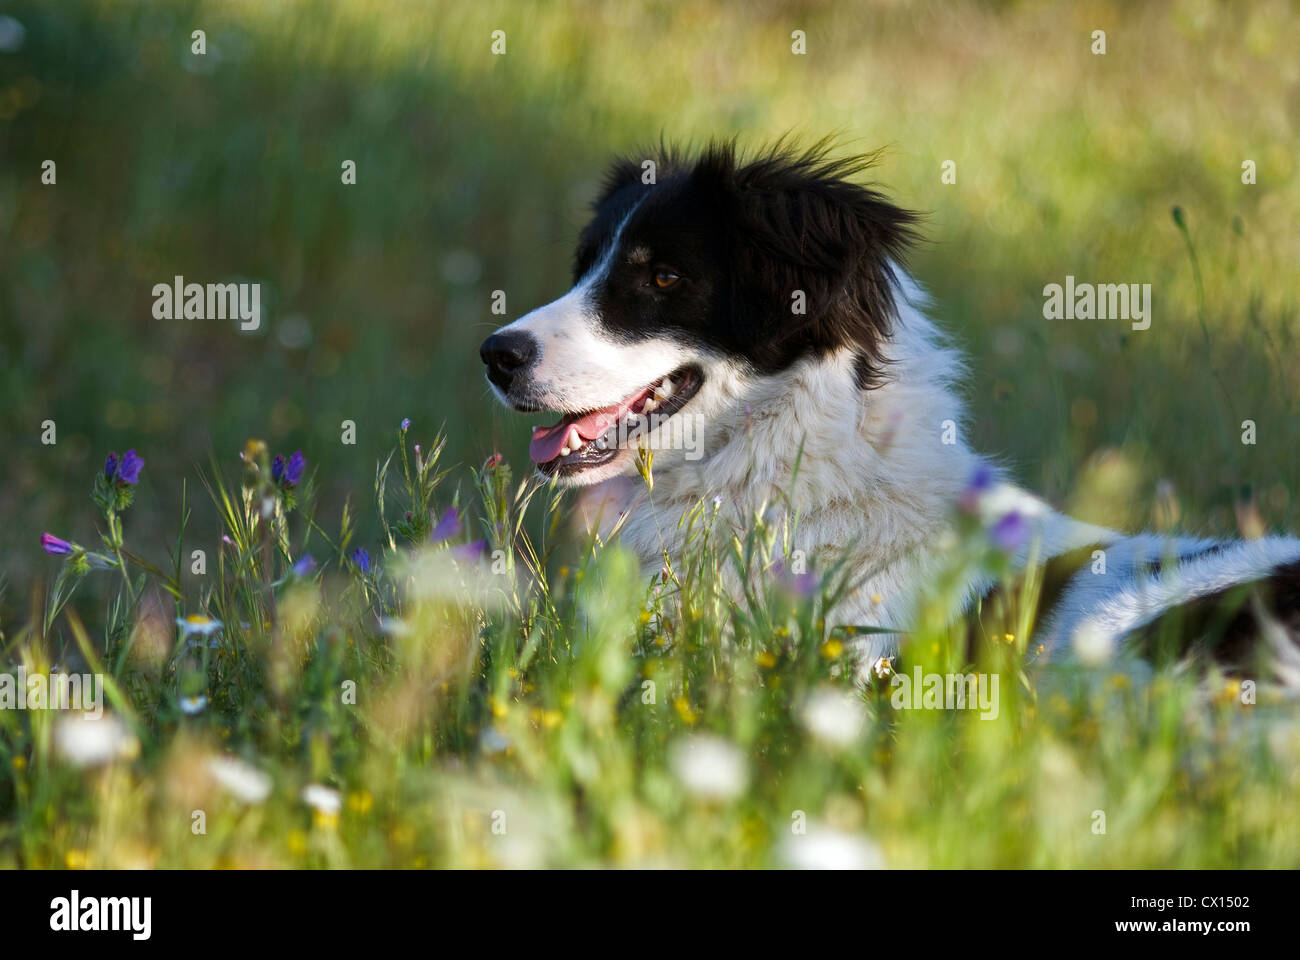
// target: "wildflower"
[[448, 526], [54, 545], [287, 473], [834, 717], [193, 704], [86, 741], [883, 667], [324, 800], [128, 470], [492, 462], [124, 471], [362, 559], [823, 848], [799, 584], [1092, 645], [1010, 533], [710, 767], [980, 483], [304, 566], [406, 424], [245, 782], [198, 624], [469, 552]]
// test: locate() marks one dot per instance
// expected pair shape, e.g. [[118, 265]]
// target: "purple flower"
[[1010, 533], [287, 473], [361, 559], [492, 462], [128, 471], [448, 527], [469, 552], [980, 483], [124, 471], [800, 584], [304, 566], [406, 424], [293, 470], [54, 545]]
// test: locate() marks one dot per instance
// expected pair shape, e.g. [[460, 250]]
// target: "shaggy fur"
[[696, 277]]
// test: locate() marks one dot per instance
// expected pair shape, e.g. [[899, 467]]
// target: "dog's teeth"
[[601, 443], [666, 388], [573, 442], [565, 451], [650, 405]]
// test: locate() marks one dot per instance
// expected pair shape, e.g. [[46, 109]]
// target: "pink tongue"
[[548, 441]]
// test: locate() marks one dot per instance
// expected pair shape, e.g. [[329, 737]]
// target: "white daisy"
[[86, 741], [822, 848], [243, 781], [322, 799], [710, 767], [834, 716]]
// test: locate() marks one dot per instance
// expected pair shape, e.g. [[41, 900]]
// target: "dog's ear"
[[813, 251]]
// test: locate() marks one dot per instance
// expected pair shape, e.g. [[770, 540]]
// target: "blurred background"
[[474, 172]]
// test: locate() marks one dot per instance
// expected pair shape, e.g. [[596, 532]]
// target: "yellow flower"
[[1009, 637], [297, 842], [19, 762], [75, 859], [877, 599], [326, 821], [684, 710], [499, 709], [360, 802], [766, 660], [832, 649]]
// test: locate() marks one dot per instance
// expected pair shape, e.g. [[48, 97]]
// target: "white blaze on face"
[[580, 364]]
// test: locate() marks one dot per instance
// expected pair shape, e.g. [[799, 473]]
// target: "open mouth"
[[588, 439]]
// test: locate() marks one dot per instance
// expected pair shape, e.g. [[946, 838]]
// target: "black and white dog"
[[762, 303]]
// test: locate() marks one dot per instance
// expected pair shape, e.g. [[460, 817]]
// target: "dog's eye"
[[665, 279]]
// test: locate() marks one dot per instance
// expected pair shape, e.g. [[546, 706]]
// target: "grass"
[[460, 699], [522, 690]]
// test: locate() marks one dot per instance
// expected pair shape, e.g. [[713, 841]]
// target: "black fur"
[[745, 235]]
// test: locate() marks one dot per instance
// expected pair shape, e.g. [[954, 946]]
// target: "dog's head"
[[693, 272]]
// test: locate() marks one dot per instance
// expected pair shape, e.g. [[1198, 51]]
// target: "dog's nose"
[[506, 354]]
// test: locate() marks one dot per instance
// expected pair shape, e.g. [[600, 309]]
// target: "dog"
[[767, 300]]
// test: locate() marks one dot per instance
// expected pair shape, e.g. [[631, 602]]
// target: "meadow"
[[455, 677]]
